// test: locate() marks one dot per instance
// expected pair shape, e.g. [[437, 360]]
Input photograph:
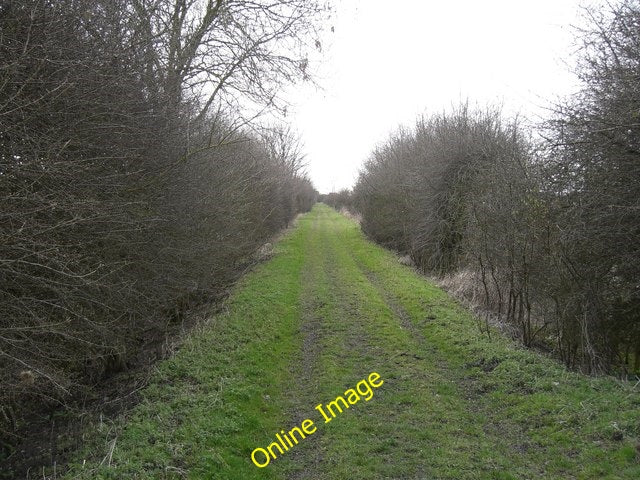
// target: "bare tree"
[[128, 188], [594, 171]]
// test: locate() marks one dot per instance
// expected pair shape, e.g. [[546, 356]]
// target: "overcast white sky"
[[388, 61]]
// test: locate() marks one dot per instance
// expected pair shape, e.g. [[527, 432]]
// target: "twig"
[[109, 455]]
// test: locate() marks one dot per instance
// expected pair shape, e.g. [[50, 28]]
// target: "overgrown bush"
[[551, 229], [129, 187], [593, 169], [337, 200]]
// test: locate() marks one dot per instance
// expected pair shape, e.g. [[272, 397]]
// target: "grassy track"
[[325, 312]]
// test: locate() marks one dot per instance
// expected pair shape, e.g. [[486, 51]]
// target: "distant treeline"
[[337, 200], [130, 186], [548, 228]]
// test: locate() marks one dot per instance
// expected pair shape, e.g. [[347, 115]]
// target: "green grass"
[[325, 312]]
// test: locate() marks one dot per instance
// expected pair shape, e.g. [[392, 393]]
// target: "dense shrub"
[[551, 228], [337, 200], [593, 168], [128, 189]]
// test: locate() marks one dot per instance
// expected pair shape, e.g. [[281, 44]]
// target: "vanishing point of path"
[[311, 324]]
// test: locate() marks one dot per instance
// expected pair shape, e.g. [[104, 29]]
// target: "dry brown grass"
[[356, 217], [465, 285]]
